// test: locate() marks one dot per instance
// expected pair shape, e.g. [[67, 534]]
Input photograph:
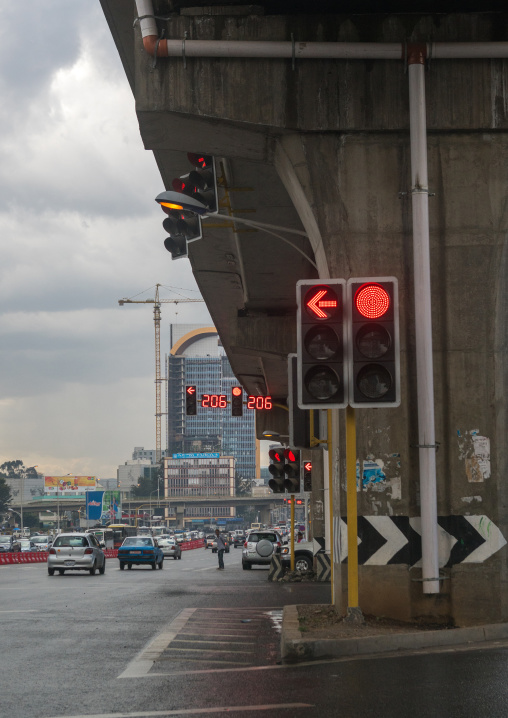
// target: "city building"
[[146, 454], [198, 359], [129, 473], [201, 474]]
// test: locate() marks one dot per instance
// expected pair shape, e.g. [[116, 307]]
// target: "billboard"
[[94, 501], [111, 508], [68, 485]]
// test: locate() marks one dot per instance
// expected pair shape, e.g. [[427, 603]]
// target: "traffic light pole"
[[292, 532], [354, 613], [423, 321]]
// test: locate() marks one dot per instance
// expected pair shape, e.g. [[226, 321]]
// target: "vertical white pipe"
[[423, 327]]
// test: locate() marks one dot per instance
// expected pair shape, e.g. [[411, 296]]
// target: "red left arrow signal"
[[307, 466], [316, 304], [191, 389]]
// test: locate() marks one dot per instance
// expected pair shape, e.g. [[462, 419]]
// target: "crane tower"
[[156, 301]]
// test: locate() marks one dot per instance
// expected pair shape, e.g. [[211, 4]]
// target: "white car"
[[170, 548], [259, 548]]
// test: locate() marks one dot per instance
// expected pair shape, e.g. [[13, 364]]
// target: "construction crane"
[[156, 301]]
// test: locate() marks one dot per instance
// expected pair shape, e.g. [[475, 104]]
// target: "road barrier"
[[42, 556], [189, 545]]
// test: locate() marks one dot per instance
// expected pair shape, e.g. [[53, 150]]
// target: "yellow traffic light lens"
[[170, 205]]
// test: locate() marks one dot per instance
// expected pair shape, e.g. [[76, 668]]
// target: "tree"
[[5, 494], [16, 469], [149, 484], [243, 485]]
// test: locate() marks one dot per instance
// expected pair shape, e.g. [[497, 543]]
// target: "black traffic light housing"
[[201, 183], [191, 401], [321, 343], [292, 471], [276, 469], [307, 475], [374, 354], [299, 419], [236, 401]]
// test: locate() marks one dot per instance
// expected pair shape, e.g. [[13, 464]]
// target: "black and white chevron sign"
[[323, 567], [397, 539]]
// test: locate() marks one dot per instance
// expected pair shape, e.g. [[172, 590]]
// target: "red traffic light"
[[307, 466], [276, 455], [372, 301], [201, 161], [236, 391], [290, 455], [191, 390], [321, 302]]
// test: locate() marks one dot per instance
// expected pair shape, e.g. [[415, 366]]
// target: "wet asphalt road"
[[191, 640]]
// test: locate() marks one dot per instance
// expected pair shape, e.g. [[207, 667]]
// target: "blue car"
[[139, 550]]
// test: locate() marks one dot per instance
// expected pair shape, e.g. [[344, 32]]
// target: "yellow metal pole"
[[292, 532], [353, 611], [330, 497]]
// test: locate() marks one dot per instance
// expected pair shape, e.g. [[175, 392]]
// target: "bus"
[[121, 531], [104, 536]]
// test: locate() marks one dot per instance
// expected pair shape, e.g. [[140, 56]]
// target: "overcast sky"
[[79, 230]]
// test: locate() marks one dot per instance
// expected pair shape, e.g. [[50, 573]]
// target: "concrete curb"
[[297, 648]]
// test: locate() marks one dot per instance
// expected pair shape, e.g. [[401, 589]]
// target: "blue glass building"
[[198, 359]]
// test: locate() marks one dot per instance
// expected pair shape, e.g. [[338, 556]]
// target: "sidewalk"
[[310, 645]]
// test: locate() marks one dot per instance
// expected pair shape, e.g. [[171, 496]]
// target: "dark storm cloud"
[[38, 37]]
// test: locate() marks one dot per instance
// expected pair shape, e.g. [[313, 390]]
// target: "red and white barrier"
[[188, 545], [42, 556]]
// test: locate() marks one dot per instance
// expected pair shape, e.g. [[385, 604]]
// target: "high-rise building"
[[197, 358]]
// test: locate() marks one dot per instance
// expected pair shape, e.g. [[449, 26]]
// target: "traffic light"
[[307, 475], [299, 419], [236, 401], [191, 405], [374, 362], [292, 471], [276, 469], [201, 182], [321, 364]]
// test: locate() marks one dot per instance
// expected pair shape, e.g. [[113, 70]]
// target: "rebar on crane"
[[156, 301]]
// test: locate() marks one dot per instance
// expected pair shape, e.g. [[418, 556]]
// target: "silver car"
[[170, 548], [259, 548], [76, 552]]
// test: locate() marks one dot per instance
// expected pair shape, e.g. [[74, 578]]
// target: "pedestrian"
[[299, 537], [221, 547]]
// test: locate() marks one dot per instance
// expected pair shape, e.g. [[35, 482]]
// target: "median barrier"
[[188, 545], [42, 556]]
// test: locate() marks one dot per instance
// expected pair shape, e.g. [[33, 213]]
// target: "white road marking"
[[20, 611], [141, 665], [195, 711], [225, 643]]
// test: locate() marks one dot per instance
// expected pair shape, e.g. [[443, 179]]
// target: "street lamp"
[[20, 516]]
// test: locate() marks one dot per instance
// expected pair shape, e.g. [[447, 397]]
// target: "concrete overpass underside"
[[322, 147]]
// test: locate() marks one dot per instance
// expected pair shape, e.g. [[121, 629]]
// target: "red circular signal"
[[237, 391], [372, 301], [289, 455]]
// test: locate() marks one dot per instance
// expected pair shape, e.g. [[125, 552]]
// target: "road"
[[191, 640]]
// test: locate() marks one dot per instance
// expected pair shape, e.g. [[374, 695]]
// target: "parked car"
[[41, 543], [140, 550], [76, 552], [170, 548], [304, 556], [259, 547]]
